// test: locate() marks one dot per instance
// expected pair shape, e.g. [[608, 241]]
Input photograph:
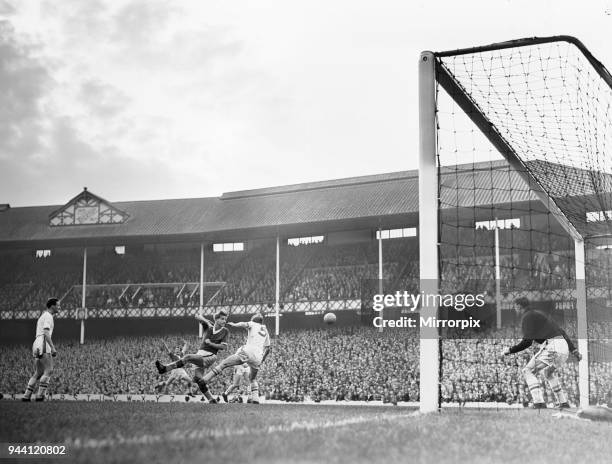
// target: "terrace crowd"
[[308, 273], [343, 364]]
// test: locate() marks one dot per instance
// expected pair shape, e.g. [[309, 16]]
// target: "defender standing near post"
[[43, 351], [556, 345]]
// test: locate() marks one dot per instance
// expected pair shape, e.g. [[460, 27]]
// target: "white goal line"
[[202, 434]]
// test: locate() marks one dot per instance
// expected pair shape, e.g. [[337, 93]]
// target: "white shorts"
[[242, 377], [250, 356], [40, 347], [179, 374], [554, 352]]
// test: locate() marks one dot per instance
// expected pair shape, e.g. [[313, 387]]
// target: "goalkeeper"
[[555, 347]]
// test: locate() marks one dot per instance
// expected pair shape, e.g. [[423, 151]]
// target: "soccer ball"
[[329, 318]]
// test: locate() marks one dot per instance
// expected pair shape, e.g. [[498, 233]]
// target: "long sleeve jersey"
[[538, 327]]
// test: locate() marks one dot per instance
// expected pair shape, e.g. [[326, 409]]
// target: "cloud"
[[6, 8], [102, 100], [108, 173], [139, 23], [182, 89], [151, 100], [24, 81]]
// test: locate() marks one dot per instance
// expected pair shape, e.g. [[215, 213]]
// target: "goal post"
[[514, 136], [581, 319], [428, 232]]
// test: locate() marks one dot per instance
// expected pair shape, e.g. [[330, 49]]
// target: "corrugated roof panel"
[[318, 202]]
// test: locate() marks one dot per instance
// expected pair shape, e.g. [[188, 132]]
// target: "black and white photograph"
[[297, 232]]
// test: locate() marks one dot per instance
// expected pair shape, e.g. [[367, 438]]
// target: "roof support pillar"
[[277, 289], [83, 297], [200, 329], [380, 273]]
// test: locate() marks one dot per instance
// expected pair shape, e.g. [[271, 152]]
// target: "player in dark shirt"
[[538, 327], [214, 339], [215, 336]]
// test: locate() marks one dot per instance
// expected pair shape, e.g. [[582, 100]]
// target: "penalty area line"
[[195, 435]]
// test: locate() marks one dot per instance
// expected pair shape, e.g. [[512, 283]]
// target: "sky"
[[150, 99]]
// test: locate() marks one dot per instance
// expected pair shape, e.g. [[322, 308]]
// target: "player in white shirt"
[[242, 375], [253, 353], [43, 351]]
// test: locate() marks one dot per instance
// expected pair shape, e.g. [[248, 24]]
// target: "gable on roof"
[[87, 209]]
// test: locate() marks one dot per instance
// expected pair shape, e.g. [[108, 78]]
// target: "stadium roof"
[[368, 201]]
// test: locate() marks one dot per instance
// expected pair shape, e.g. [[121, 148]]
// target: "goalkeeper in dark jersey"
[[556, 345]]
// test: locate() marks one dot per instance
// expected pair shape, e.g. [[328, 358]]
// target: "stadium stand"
[[344, 364], [316, 272], [160, 268]]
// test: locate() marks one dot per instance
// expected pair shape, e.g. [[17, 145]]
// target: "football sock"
[[202, 385], [534, 386], [42, 387], [254, 390], [204, 389], [555, 385], [30, 388], [175, 365], [215, 371]]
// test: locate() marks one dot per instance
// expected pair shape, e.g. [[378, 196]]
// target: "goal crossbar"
[[526, 42]]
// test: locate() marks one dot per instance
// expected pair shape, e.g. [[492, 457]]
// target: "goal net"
[[516, 159]]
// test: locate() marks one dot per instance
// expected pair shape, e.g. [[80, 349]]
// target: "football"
[[329, 318]]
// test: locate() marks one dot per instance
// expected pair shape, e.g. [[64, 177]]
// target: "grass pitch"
[[176, 433]]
